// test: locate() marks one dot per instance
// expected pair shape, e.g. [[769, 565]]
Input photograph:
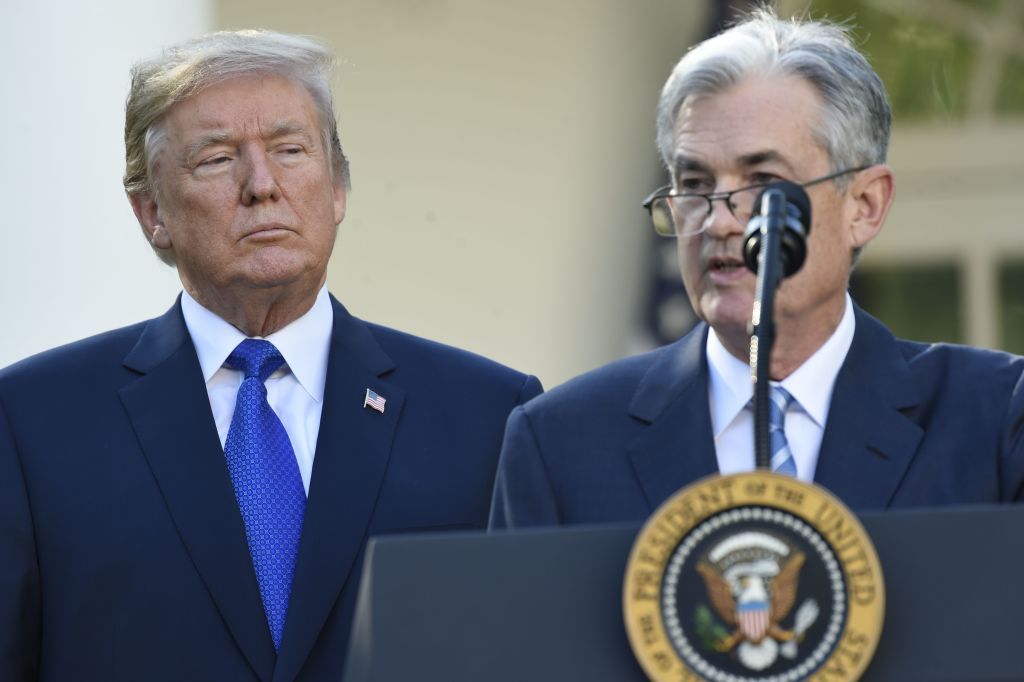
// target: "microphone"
[[778, 227], [785, 206]]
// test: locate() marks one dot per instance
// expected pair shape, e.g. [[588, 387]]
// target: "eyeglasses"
[[685, 214]]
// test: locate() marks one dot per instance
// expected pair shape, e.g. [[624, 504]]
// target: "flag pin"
[[374, 401]]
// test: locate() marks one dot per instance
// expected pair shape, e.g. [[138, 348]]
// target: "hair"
[[185, 69], [854, 124]]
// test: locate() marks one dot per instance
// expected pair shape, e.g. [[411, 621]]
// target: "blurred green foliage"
[[920, 302], [926, 63], [1011, 306], [1011, 92]]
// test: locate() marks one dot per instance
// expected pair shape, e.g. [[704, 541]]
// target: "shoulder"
[[958, 355], [420, 359], [79, 361], [608, 389], [935, 367], [403, 345], [412, 359], [958, 365]]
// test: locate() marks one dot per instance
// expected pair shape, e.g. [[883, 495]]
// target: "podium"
[[546, 604]]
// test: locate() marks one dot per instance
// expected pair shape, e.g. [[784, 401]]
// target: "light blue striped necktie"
[[782, 456], [266, 479]]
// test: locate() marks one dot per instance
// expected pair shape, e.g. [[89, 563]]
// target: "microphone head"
[[796, 197], [796, 225]]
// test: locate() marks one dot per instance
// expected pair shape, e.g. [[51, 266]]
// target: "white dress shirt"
[[730, 389], [295, 391]]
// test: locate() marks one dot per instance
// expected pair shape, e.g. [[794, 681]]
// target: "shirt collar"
[[729, 385], [811, 384], [304, 344]]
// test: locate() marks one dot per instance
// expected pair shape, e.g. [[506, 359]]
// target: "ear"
[[340, 203], [871, 193], [148, 214]]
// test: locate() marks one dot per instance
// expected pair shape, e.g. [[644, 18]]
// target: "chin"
[[276, 272], [726, 315]]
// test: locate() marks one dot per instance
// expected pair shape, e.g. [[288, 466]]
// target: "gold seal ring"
[[753, 576]]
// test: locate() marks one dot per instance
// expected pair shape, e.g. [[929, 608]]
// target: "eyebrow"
[[203, 142], [282, 128], [279, 129], [766, 156], [683, 164]]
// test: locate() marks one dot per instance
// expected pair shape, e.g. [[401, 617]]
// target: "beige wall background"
[[499, 155], [960, 199], [72, 260]]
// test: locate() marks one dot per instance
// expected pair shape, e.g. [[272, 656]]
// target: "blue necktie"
[[782, 457], [266, 479]]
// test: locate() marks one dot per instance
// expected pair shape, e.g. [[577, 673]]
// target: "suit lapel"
[[170, 412], [352, 452], [868, 442], [677, 447]]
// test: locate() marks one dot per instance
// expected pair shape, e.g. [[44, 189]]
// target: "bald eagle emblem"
[[752, 580]]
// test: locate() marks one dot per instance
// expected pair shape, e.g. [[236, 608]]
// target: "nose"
[[259, 182], [720, 221]]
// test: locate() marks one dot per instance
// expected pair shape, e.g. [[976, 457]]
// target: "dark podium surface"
[[547, 604]]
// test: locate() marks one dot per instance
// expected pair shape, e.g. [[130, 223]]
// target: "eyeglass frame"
[[667, 192]]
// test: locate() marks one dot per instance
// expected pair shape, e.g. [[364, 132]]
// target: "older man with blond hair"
[[189, 498]]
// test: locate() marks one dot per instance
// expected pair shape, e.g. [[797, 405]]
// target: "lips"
[[725, 263], [726, 269], [268, 230], [266, 227]]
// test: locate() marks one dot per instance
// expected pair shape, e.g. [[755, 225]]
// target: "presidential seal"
[[753, 577]]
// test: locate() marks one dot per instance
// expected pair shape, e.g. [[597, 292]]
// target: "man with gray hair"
[[189, 498], [879, 421]]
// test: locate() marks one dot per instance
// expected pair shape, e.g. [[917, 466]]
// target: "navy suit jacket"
[[124, 555], [910, 424]]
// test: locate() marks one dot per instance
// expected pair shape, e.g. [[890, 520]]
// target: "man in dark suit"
[[189, 498], [880, 421]]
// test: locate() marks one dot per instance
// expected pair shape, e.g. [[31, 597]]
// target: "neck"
[[261, 312], [797, 338]]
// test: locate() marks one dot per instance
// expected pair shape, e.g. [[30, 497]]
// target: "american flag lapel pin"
[[374, 401]]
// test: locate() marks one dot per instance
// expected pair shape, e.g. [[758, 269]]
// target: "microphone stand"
[[763, 321]]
